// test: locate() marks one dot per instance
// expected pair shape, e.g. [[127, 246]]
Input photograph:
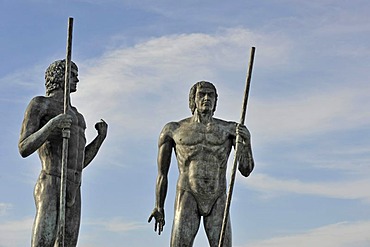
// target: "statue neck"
[[57, 95], [202, 117]]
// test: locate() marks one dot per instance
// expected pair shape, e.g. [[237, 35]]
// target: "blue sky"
[[308, 112]]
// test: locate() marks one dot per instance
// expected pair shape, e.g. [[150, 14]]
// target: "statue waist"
[[73, 176]]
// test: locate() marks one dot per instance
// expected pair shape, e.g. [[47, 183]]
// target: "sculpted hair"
[[193, 91], [54, 75]]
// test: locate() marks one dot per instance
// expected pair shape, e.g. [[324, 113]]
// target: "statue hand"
[[158, 215], [62, 121], [101, 127], [243, 132]]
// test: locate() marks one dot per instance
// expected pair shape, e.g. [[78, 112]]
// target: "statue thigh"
[[46, 196], [186, 220], [45, 227], [213, 224], [73, 218]]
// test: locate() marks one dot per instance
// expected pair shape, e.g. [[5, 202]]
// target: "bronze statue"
[[202, 145], [42, 131]]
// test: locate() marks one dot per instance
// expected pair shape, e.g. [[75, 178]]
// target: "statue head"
[[54, 75], [193, 91]]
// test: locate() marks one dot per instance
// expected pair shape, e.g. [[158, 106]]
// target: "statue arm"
[[32, 136], [165, 146], [245, 157], [164, 160], [92, 149]]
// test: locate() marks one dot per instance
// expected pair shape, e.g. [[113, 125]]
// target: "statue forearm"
[[244, 150], [245, 159], [161, 191], [164, 161], [32, 137], [92, 149], [34, 141]]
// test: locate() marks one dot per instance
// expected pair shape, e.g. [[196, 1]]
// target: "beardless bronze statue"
[[202, 145], [42, 132]]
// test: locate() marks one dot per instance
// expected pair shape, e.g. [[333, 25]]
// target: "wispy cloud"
[[351, 159], [151, 80], [4, 208], [29, 81], [114, 225], [270, 187], [307, 114], [18, 232], [343, 234], [15, 233]]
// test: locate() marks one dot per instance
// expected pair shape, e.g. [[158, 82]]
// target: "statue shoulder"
[[227, 124], [37, 100], [35, 112], [173, 126], [37, 104], [170, 129]]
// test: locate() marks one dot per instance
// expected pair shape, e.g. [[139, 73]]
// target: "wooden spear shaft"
[[66, 135], [235, 164]]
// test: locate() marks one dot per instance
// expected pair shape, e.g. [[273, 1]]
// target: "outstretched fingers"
[[159, 221]]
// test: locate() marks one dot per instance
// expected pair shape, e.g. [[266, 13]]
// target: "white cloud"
[[4, 208], [151, 80], [343, 234], [15, 233], [307, 114], [28, 81], [270, 186], [351, 159], [114, 225], [18, 232]]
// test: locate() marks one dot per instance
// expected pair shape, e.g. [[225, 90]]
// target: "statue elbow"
[[246, 169], [24, 152], [245, 172]]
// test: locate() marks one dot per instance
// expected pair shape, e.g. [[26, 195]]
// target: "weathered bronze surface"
[[42, 131], [202, 145]]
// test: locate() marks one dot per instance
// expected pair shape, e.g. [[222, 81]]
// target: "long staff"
[[233, 171], [66, 134]]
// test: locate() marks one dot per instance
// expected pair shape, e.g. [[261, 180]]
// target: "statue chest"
[[199, 134], [78, 122]]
